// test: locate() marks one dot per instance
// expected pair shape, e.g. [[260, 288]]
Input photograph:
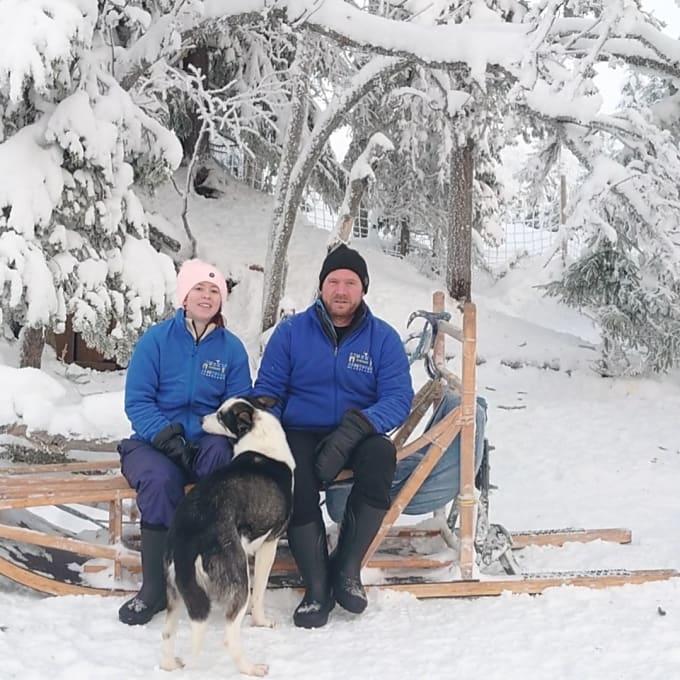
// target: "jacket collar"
[[327, 325], [181, 317]]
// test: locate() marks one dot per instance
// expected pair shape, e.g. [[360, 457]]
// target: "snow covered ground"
[[572, 449]]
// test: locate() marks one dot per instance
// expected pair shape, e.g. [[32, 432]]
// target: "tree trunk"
[[375, 150], [32, 344], [287, 201], [404, 236], [282, 229], [199, 58], [459, 246]]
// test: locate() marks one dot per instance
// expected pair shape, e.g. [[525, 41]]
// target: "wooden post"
[[116, 533], [439, 305], [466, 495], [439, 348]]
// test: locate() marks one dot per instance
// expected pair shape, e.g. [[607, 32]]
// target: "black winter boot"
[[308, 545], [360, 524], [151, 597]]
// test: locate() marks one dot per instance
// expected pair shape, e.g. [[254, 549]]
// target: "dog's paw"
[[261, 621], [257, 669], [172, 663]]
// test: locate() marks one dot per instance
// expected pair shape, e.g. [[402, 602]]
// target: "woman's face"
[[202, 302]]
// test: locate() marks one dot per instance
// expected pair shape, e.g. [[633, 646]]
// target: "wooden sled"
[[45, 557]]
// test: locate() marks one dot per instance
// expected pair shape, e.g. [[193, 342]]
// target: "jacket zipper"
[[329, 330]]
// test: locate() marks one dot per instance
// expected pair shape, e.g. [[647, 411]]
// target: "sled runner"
[[91, 547]]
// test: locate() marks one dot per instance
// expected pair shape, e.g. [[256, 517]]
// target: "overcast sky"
[[610, 81], [666, 10]]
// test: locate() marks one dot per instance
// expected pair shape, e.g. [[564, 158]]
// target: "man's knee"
[[306, 496], [373, 463], [306, 490]]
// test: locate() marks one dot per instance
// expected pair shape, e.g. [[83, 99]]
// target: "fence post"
[[563, 215]]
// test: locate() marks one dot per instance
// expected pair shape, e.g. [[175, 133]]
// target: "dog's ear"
[[263, 402], [243, 418]]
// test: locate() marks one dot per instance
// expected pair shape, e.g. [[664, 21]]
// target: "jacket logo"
[[213, 368], [360, 361]]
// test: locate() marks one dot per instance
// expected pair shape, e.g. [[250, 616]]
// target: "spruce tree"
[[74, 237]]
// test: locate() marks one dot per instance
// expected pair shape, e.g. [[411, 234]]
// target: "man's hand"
[[334, 450], [170, 441]]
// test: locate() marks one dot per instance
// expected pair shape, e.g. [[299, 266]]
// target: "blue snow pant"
[[159, 482], [443, 482]]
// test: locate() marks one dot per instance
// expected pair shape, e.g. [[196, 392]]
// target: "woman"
[[181, 369]]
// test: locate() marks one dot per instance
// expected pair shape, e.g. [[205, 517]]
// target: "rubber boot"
[[308, 545], [151, 597], [360, 524]]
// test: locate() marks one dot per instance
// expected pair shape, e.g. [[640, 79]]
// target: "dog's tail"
[[194, 585]]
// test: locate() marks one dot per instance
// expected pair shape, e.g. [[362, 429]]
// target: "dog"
[[236, 511]]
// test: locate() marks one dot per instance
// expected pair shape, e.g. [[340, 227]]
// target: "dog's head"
[[248, 423], [236, 417]]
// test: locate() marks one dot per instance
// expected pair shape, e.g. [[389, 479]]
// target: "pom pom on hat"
[[197, 271], [343, 257]]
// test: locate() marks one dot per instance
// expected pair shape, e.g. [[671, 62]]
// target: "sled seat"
[[100, 482]]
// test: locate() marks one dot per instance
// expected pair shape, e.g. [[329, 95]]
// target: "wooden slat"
[[560, 537], [76, 495], [532, 584], [114, 552], [422, 401], [79, 466], [10, 486], [287, 565], [449, 424], [523, 539], [379, 561], [50, 586]]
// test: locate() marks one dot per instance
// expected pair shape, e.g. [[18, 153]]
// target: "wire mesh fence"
[[527, 230]]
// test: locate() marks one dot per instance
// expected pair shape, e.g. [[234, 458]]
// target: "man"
[[342, 379]]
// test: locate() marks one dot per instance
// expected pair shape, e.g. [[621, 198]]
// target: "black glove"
[[170, 441], [334, 450]]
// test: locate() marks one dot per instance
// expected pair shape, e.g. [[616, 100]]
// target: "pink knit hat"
[[196, 271]]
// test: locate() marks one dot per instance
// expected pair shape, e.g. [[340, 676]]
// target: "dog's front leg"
[[264, 559]]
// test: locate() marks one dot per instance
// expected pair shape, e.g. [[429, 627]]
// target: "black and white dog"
[[239, 510]]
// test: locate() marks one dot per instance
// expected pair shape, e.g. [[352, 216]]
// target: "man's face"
[[342, 293]]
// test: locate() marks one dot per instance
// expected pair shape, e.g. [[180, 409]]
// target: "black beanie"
[[343, 257]]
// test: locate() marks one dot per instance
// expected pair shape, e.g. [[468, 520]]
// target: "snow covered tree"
[[620, 232], [74, 238], [543, 53], [445, 121], [302, 150], [626, 274], [487, 69]]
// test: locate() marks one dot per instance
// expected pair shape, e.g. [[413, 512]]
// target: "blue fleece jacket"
[[317, 379], [172, 378]]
